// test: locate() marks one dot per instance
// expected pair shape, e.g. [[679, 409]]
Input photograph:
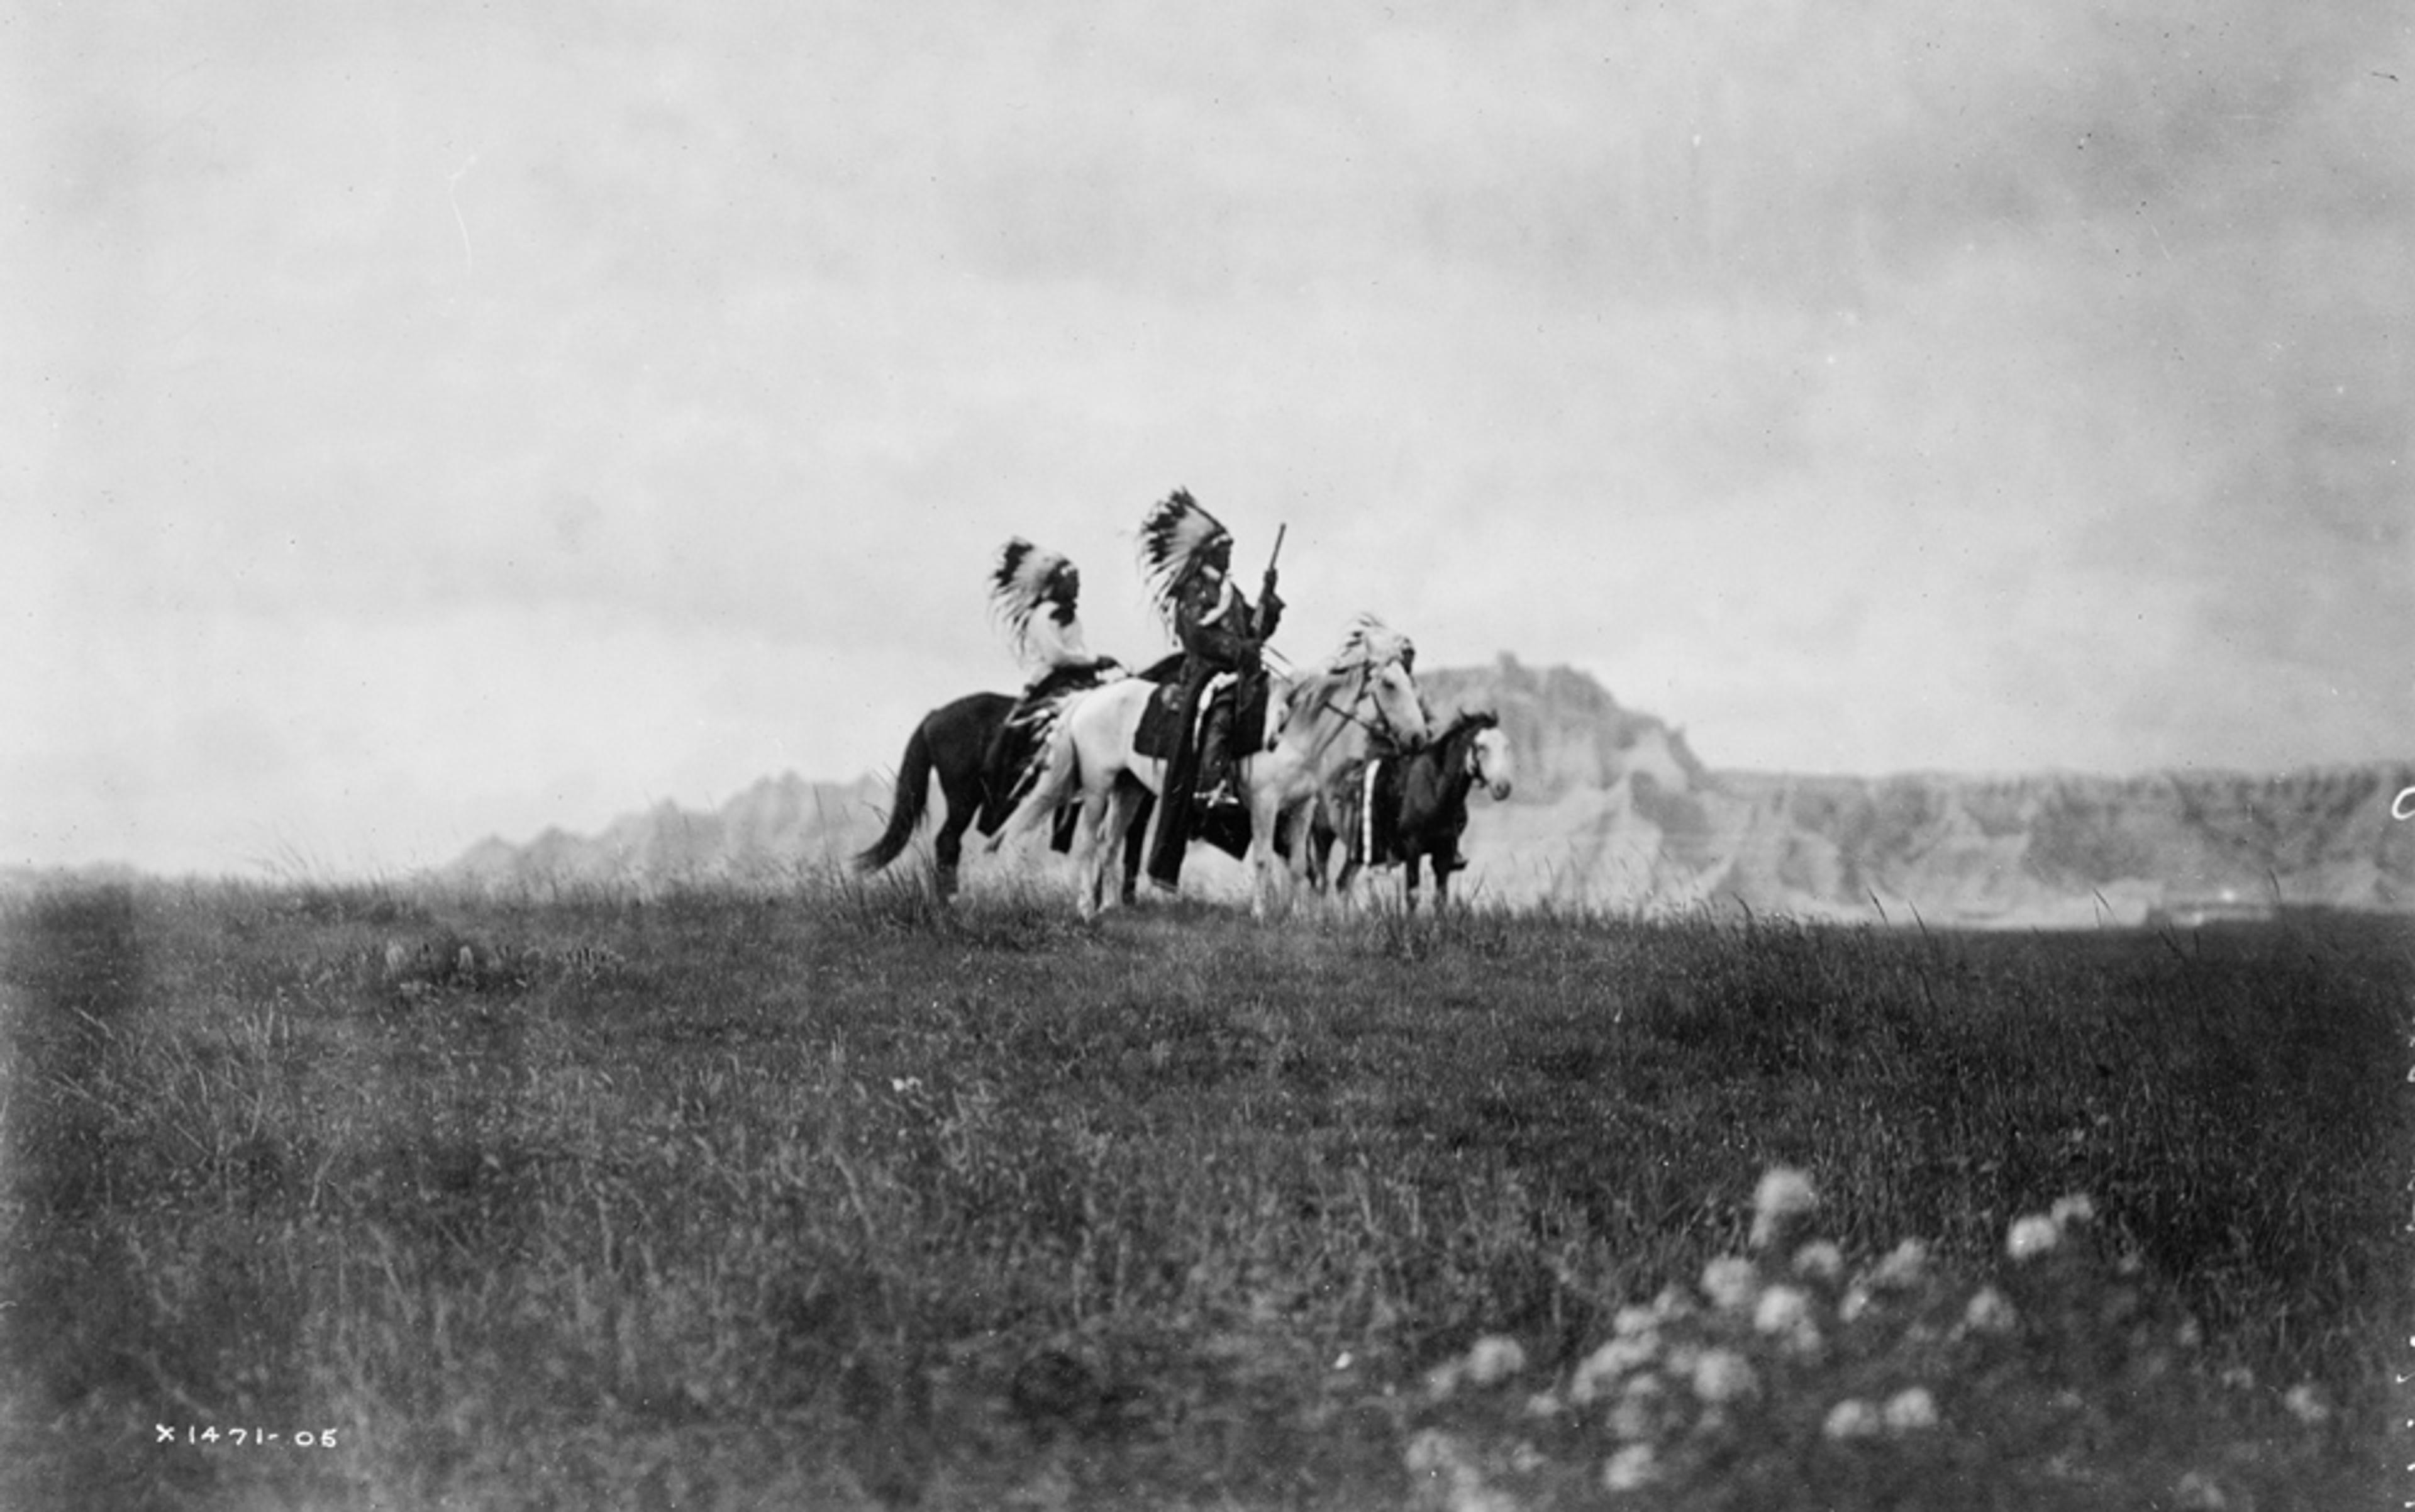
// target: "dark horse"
[[1416, 806], [954, 741]]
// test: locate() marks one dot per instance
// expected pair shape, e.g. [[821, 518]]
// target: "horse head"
[[1400, 712], [1380, 659], [1488, 756]]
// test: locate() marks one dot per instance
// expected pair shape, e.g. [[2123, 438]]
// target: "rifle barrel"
[[1266, 585]]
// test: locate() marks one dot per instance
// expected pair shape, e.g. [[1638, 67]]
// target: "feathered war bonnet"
[[1024, 581], [1176, 535]]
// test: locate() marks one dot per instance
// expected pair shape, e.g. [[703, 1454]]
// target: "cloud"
[[1862, 389]]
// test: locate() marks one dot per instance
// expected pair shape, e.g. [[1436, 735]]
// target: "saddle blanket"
[[1375, 830]]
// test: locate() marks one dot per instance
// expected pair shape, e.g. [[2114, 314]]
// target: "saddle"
[[1161, 722], [1159, 728]]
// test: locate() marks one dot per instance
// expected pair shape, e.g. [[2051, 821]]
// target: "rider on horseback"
[[1036, 595], [1187, 557]]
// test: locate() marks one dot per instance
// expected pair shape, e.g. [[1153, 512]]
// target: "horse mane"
[[1371, 643], [1314, 689], [1370, 646], [1467, 722], [1444, 749]]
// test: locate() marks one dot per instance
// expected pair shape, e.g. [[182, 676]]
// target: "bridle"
[[1381, 726]]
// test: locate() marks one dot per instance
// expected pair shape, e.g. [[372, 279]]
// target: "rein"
[[1380, 725]]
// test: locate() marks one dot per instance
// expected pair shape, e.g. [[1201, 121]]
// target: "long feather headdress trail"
[[1020, 586], [1175, 534]]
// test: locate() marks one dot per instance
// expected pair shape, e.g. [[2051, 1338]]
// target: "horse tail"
[[905, 804]]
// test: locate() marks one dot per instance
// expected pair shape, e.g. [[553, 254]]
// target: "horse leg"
[[1136, 844], [1086, 846], [1306, 868], [1339, 832], [1284, 861], [1264, 814], [964, 793], [947, 852], [1114, 847], [1320, 847], [1306, 861]]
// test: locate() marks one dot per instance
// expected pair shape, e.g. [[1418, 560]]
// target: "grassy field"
[[823, 1197]]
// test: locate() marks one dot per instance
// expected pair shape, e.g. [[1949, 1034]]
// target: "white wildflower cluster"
[[1905, 1266], [1852, 1418], [1687, 1383], [1784, 1313], [1656, 1386], [1632, 1468], [1641, 1408], [1442, 1467], [1431, 1452], [1904, 1269], [1990, 1312], [1731, 1283], [1913, 1410], [1621, 1374], [1490, 1361], [1603, 1371], [1784, 1196], [2036, 1234], [1494, 1359], [2033, 1235], [1449, 1472], [1722, 1376]]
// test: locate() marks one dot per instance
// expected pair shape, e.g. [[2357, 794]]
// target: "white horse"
[[1315, 725]]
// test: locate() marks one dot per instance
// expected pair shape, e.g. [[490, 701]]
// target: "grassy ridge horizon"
[[826, 1194]]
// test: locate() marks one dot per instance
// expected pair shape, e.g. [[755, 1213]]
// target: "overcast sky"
[[433, 421]]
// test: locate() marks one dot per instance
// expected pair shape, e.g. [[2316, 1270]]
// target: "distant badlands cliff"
[[1614, 801], [1613, 809]]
